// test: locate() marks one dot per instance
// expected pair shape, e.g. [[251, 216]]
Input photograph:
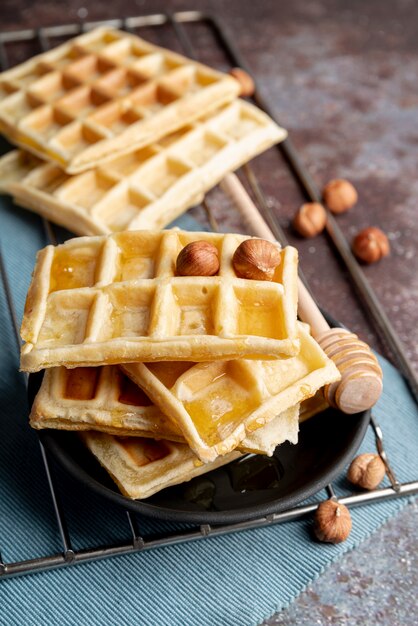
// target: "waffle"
[[264, 440], [106, 400], [115, 299], [313, 406], [141, 467], [148, 188], [102, 94], [102, 399], [216, 405]]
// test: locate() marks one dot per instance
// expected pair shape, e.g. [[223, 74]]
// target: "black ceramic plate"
[[250, 487]]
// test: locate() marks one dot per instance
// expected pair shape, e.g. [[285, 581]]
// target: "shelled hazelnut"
[[198, 258], [332, 522], [310, 220], [366, 471], [339, 195], [256, 259], [370, 245], [245, 80]]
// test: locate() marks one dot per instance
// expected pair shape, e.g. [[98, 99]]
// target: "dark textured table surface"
[[342, 78]]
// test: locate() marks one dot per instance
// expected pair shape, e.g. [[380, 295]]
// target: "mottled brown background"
[[342, 78]]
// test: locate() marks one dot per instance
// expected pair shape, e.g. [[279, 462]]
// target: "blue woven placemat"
[[235, 580]]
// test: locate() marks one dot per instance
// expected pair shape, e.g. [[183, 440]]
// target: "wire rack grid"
[[45, 38]]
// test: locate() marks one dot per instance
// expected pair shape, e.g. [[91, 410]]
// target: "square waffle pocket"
[[98, 398], [104, 93], [116, 299], [218, 405], [141, 467], [149, 187]]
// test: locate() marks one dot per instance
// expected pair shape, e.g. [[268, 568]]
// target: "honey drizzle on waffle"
[[116, 299], [219, 404], [104, 399]]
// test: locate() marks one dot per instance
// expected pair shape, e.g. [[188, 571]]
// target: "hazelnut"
[[370, 245], [332, 522], [339, 195], [310, 220], [245, 81], [198, 258], [256, 259], [367, 471]]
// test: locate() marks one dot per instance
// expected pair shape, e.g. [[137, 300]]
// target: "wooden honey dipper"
[[361, 377]]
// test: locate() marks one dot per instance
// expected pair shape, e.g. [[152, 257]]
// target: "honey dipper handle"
[[307, 308]]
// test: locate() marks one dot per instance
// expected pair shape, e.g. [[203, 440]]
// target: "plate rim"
[[232, 516]]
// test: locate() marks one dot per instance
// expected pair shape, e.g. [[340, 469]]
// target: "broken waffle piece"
[[312, 406], [264, 440], [141, 467], [98, 398], [104, 399], [217, 405]]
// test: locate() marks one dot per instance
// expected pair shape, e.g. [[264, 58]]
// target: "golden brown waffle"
[[115, 299], [313, 406], [147, 188], [218, 404], [141, 467], [104, 399], [102, 94], [264, 440]]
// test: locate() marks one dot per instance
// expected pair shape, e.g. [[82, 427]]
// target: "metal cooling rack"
[[179, 23]]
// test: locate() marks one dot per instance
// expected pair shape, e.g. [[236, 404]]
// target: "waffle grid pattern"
[[219, 404], [101, 399], [103, 93], [147, 188], [104, 399], [116, 299], [141, 467]]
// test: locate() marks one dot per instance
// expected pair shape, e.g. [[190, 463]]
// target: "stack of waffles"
[[117, 134], [167, 376]]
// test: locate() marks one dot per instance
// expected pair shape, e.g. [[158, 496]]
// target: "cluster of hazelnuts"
[[369, 245], [254, 259]]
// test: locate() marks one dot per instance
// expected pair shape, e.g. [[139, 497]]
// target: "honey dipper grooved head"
[[361, 377], [359, 391]]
